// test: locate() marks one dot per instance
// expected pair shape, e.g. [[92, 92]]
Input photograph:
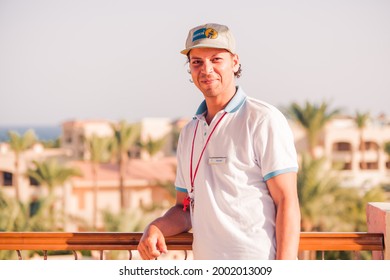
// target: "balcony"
[[375, 240], [101, 241]]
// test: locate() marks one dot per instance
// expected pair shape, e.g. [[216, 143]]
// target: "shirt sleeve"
[[275, 149], [180, 181]]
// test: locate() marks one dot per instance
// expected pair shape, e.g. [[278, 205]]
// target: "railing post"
[[378, 221]]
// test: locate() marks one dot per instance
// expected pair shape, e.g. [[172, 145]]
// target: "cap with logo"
[[210, 35]]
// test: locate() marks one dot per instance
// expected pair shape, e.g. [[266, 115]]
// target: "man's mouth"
[[208, 81]]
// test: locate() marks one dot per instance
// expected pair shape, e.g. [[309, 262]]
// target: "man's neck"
[[217, 103]]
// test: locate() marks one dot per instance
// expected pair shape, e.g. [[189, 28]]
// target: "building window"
[[7, 179], [33, 182], [369, 165], [342, 147], [68, 136], [370, 146], [347, 166]]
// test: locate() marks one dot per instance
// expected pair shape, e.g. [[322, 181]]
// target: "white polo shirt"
[[234, 215]]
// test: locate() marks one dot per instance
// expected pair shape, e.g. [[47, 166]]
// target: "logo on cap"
[[203, 33]]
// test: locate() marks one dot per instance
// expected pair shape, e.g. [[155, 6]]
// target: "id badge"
[[217, 160]]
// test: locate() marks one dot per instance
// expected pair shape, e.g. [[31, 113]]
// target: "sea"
[[44, 133]]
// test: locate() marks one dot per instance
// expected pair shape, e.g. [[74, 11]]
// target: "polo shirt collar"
[[234, 104]]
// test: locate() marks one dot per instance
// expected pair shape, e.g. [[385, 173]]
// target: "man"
[[236, 174]]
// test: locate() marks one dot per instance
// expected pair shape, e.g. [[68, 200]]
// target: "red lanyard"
[[193, 174]]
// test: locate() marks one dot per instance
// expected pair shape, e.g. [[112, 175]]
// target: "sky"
[[66, 60]]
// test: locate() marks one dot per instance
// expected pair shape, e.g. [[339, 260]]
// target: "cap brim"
[[200, 46]]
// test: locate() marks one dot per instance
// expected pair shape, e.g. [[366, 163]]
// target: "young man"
[[236, 175]]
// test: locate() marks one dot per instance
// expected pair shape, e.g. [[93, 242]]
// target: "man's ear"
[[236, 63]]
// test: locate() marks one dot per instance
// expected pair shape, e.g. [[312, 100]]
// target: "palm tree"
[[386, 148], [15, 217], [51, 174], [175, 137], [153, 146], [125, 136], [317, 190], [99, 152], [325, 204], [313, 119], [361, 120], [19, 144]]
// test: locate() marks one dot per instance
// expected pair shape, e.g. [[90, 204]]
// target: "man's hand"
[[152, 243], [175, 220]]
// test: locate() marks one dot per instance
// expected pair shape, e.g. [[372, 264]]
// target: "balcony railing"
[[376, 240], [102, 241]]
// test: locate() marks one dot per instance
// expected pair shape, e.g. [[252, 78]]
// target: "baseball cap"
[[210, 35]]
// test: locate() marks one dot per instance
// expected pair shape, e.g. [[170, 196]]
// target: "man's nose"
[[207, 67]]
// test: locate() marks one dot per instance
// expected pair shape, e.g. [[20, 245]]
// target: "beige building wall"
[[340, 144], [155, 129], [7, 165], [75, 133]]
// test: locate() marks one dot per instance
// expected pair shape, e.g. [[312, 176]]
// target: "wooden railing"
[[102, 241]]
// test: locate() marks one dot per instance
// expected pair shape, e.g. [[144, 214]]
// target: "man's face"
[[212, 70]]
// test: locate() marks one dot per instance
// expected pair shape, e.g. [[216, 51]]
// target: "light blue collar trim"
[[234, 104]]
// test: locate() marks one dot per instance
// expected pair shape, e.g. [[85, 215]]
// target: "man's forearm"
[[174, 221], [287, 231]]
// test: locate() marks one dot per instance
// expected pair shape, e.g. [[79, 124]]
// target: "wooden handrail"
[[331, 241], [311, 241]]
